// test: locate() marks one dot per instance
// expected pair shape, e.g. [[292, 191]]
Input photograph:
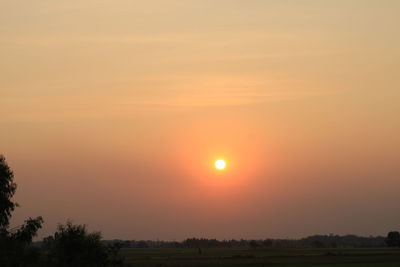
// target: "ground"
[[263, 257]]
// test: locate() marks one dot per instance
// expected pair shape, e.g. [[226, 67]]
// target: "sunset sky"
[[114, 112]]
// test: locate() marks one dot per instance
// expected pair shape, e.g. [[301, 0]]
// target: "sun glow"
[[220, 164]]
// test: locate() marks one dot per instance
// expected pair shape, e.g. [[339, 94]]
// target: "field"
[[148, 257]]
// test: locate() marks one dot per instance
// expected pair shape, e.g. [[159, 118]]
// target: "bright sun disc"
[[220, 164]]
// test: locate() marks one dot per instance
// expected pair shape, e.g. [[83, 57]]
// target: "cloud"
[[50, 108], [228, 99]]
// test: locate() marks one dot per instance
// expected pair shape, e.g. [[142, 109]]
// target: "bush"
[[72, 245], [393, 239]]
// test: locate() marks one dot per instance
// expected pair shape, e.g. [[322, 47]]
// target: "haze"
[[114, 112]]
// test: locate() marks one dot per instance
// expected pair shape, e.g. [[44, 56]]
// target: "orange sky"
[[113, 113]]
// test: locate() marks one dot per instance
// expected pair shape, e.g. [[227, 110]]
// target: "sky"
[[113, 113]]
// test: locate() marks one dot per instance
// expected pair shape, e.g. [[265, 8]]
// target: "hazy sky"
[[113, 112]]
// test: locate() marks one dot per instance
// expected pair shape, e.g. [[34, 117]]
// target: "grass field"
[[262, 257]]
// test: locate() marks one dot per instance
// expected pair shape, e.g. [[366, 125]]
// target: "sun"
[[220, 164]]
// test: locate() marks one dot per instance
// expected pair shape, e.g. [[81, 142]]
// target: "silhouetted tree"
[[7, 190], [27, 231], [72, 245], [393, 239], [254, 244], [15, 249]]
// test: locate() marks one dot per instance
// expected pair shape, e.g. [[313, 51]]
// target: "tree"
[[14, 243], [73, 245], [393, 239], [28, 230], [7, 191], [254, 244]]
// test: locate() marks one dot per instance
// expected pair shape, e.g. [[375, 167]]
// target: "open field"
[[262, 257]]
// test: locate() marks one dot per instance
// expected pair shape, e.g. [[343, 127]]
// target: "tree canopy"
[[393, 239], [7, 191]]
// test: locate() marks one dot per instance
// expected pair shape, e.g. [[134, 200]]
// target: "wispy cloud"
[[50, 108], [228, 99]]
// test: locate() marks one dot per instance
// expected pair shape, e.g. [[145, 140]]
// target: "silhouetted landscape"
[[73, 245], [204, 133]]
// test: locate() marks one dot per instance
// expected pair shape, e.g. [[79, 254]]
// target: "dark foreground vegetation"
[[73, 245], [316, 241]]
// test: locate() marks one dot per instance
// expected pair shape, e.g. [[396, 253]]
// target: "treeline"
[[315, 241]]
